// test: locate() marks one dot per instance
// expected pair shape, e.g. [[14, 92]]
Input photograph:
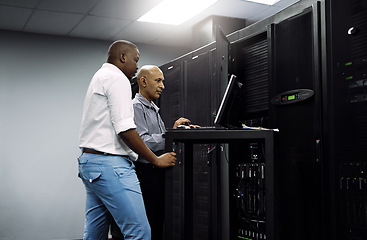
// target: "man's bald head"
[[150, 80], [119, 47], [124, 55], [147, 70]]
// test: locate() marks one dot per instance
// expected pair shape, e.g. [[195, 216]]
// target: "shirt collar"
[[146, 103], [112, 67]]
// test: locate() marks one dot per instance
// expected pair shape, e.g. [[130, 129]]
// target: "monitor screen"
[[228, 114]]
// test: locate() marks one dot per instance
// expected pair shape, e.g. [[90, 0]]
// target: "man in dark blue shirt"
[[151, 128]]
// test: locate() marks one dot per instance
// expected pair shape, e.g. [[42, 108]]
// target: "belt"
[[88, 150]]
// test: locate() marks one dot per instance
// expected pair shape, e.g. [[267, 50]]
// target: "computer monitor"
[[231, 107]]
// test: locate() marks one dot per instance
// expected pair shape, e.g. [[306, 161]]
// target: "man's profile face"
[[131, 64], [154, 84]]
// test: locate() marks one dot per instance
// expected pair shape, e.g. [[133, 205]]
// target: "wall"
[[43, 80]]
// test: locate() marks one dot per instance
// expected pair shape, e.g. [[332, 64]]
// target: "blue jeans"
[[113, 190]]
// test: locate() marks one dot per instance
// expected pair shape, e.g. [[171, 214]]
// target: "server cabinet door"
[[294, 69], [197, 89], [346, 117], [172, 102], [221, 69]]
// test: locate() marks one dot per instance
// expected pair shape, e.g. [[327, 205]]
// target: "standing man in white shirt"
[[110, 144]]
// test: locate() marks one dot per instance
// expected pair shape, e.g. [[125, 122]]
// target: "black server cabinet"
[[198, 85], [226, 179], [190, 89], [251, 214], [248, 60], [172, 99], [249, 217], [295, 101], [346, 117], [191, 211]]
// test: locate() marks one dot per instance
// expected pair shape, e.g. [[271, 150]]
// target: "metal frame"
[[195, 136]]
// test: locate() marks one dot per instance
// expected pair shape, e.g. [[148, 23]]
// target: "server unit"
[[190, 82], [191, 87], [248, 206], [192, 194], [248, 59], [199, 80], [227, 184], [249, 215], [345, 91], [172, 99], [295, 101]]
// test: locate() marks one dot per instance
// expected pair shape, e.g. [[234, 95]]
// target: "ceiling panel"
[[237, 9], [177, 37], [20, 3], [99, 27], [12, 18], [52, 22], [124, 9], [72, 6], [267, 12], [285, 3], [143, 32]]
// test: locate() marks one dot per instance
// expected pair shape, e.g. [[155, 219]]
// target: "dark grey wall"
[[43, 80]]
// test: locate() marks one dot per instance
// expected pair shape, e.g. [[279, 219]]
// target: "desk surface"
[[216, 135]]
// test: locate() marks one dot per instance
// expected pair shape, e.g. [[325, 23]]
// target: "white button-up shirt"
[[107, 111]]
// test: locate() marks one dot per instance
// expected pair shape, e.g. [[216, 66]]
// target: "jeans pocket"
[[127, 176], [90, 173], [82, 160], [120, 171]]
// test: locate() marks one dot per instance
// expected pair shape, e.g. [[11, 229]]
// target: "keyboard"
[[180, 127]]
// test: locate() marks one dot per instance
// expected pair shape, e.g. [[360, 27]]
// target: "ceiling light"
[[175, 12], [267, 2]]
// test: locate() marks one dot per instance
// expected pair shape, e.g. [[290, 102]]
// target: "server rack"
[[215, 169], [345, 117], [190, 81], [249, 192], [295, 108], [172, 100], [249, 61], [334, 114]]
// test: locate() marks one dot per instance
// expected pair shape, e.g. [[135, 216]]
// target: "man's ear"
[[143, 81], [122, 58]]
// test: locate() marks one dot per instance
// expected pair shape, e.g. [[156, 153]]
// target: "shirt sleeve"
[[154, 142], [120, 105]]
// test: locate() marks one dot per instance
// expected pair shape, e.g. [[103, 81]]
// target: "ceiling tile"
[[72, 6], [143, 32], [177, 37], [99, 27], [20, 3], [12, 18], [240, 9], [271, 10], [227, 8], [52, 22], [285, 3], [123, 9]]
